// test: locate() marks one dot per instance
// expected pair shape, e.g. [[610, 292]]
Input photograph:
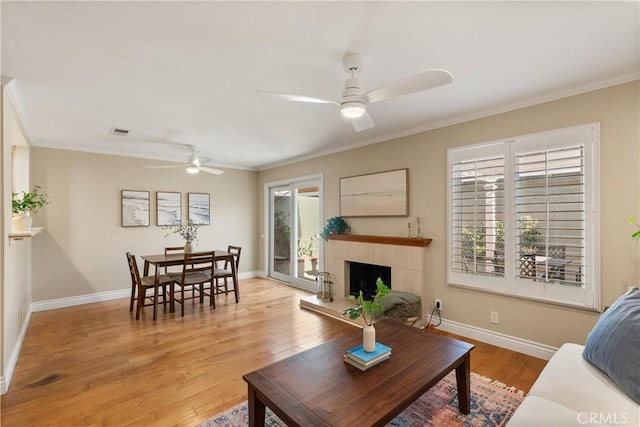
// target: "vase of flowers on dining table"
[[188, 231]]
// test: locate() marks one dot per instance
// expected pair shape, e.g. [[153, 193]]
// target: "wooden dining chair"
[[197, 271], [173, 250], [140, 285], [225, 273]]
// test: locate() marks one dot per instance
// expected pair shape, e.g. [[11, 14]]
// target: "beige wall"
[[616, 108], [82, 250]]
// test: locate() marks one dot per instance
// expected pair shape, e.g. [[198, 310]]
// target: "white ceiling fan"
[[193, 164], [353, 104]]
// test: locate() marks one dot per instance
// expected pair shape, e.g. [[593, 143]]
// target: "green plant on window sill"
[[367, 309], [26, 202]]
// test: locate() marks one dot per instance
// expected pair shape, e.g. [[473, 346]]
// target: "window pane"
[[478, 216], [550, 222]]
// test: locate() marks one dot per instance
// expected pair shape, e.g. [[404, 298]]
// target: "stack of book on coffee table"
[[363, 360]]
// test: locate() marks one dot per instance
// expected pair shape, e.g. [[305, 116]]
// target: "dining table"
[[161, 261]]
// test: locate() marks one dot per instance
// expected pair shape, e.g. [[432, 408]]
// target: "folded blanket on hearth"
[[400, 305], [396, 297]]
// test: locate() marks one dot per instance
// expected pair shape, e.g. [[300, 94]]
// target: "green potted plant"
[[335, 225], [529, 235], [368, 310], [25, 203], [188, 231]]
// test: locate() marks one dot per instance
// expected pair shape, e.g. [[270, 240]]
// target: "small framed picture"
[[135, 208], [168, 208], [199, 208]]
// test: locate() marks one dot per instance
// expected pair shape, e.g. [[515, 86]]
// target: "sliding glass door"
[[294, 221]]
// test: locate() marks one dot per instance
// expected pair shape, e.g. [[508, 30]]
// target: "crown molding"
[[11, 89], [463, 118], [133, 154]]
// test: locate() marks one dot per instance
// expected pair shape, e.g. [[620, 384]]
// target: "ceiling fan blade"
[[296, 98], [363, 122], [166, 166], [211, 170], [423, 81]]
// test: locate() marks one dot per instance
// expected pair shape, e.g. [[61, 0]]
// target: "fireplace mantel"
[[385, 240]]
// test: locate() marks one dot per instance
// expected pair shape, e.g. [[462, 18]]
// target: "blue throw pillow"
[[613, 346]]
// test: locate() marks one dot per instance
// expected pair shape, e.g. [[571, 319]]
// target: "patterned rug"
[[492, 404]]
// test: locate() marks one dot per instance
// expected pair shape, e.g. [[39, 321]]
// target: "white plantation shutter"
[[523, 216], [550, 190], [478, 209]]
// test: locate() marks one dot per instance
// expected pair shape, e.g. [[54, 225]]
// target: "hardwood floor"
[[96, 365]]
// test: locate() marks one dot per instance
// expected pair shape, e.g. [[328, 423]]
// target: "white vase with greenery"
[[23, 205], [368, 310], [188, 231]]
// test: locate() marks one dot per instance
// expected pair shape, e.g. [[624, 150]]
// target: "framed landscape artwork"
[[135, 208], [169, 208], [376, 194], [199, 211]]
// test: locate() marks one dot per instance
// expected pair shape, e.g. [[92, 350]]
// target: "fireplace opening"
[[363, 277]]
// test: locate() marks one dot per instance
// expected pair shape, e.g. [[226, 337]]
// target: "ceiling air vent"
[[119, 132]]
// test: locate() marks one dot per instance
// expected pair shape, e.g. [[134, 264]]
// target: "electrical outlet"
[[438, 304], [494, 317]]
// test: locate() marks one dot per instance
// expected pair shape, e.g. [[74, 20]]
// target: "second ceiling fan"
[[353, 104], [194, 163]]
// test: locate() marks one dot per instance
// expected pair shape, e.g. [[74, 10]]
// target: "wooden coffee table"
[[316, 387]]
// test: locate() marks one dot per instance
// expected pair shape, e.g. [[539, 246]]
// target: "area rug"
[[492, 404]]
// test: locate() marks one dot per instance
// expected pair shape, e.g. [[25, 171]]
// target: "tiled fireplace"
[[407, 258]]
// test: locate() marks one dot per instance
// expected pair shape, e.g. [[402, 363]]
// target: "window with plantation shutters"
[[478, 200], [523, 218]]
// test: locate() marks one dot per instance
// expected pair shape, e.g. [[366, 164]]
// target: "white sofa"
[[572, 392]]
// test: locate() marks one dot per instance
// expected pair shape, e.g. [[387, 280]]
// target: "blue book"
[[362, 367], [358, 353]]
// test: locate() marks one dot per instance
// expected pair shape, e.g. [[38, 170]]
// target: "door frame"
[[267, 219]]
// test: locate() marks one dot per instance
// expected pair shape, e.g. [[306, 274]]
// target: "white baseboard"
[[79, 300], [100, 296], [531, 348], [5, 380]]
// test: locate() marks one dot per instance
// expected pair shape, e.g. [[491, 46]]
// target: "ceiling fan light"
[[193, 169], [352, 110]]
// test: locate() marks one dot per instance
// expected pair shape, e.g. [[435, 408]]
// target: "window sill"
[[21, 235]]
